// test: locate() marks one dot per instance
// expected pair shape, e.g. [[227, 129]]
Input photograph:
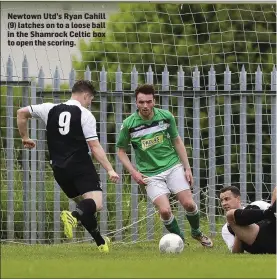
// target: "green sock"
[[194, 218], [172, 226]]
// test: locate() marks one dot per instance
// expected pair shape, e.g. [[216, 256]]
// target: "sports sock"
[[193, 218], [172, 226], [85, 213]]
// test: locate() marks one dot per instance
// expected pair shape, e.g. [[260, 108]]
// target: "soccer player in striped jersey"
[[70, 129], [161, 161]]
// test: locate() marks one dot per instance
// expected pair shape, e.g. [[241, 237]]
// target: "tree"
[[172, 34]]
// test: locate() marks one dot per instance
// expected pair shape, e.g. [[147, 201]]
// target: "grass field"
[[141, 260]]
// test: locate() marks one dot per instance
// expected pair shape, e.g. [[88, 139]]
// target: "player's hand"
[[139, 178], [113, 176], [28, 143], [189, 177]]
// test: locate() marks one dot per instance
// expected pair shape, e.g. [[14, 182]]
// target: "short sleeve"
[[173, 132], [89, 126], [41, 111], [124, 137]]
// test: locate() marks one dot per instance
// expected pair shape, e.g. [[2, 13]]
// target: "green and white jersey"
[[151, 140]]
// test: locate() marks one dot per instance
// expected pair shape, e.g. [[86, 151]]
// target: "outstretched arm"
[[23, 115]]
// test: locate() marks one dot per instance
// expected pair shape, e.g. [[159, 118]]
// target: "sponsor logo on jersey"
[[150, 142], [139, 127]]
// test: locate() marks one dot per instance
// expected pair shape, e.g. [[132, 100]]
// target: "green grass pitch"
[[141, 260]]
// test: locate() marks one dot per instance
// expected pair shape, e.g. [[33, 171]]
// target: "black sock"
[[85, 213], [245, 217]]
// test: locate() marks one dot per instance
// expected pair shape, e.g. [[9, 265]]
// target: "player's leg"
[[178, 185], [88, 186], [86, 213], [66, 184], [168, 219], [158, 192]]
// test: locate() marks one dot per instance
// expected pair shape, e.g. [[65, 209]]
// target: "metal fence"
[[33, 162]]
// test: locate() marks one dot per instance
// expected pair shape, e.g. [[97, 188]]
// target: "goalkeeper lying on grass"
[[251, 229]]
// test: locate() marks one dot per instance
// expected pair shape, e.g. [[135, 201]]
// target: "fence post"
[[33, 169], [72, 204], [212, 153], [273, 128], [25, 159], [134, 185], [119, 169], [72, 78], [87, 76], [181, 128], [165, 103], [149, 76], [57, 190], [103, 141], [243, 136], [150, 208], [227, 126], [165, 87], [196, 135], [10, 155], [41, 165], [258, 135]]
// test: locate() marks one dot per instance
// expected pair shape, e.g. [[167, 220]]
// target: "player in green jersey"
[[161, 160]]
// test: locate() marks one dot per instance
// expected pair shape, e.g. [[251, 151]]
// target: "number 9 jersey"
[[68, 126]]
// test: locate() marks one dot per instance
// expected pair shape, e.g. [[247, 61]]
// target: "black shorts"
[[77, 179], [265, 242]]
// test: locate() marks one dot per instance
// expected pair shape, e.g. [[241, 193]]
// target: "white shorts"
[[170, 181]]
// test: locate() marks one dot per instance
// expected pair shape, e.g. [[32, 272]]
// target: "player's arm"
[[33, 111], [182, 152], [122, 145], [88, 123], [23, 115], [180, 148], [100, 155], [124, 159], [273, 197], [237, 247], [137, 176]]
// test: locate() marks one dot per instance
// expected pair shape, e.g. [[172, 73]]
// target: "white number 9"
[[64, 122]]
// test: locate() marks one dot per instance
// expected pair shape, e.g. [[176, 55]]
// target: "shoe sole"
[[67, 226]]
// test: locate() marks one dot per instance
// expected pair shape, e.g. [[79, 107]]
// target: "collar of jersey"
[[155, 111], [75, 102]]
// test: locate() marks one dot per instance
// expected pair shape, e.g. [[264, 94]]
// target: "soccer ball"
[[171, 243]]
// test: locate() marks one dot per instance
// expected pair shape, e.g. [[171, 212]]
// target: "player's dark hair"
[[235, 190], [147, 89], [82, 86]]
